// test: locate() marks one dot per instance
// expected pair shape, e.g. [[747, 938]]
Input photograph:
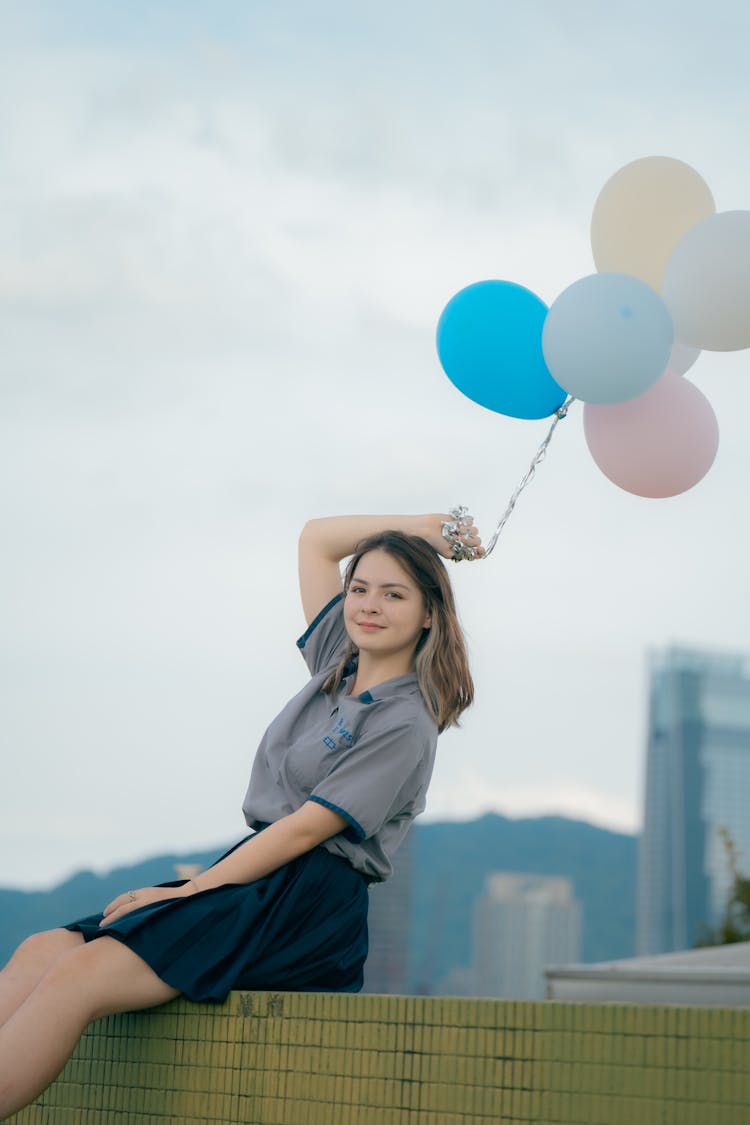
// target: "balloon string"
[[560, 413]]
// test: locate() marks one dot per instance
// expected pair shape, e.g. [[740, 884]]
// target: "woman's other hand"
[[133, 900]]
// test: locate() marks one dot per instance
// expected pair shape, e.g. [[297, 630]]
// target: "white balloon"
[[707, 283]]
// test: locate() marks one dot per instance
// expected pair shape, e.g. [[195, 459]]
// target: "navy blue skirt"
[[301, 928]]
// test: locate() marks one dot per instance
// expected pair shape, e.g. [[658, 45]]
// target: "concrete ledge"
[[330, 1059]]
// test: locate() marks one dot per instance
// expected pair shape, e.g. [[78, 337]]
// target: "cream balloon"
[[707, 283], [641, 214], [657, 445]]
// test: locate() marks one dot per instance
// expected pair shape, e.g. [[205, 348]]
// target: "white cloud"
[[472, 796]]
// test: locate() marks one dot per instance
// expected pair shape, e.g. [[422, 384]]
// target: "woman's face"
[[384, 610]]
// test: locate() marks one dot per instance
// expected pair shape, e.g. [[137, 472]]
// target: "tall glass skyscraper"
[[697, 783]]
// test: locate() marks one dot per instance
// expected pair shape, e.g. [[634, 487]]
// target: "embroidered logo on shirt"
[[339, 737]]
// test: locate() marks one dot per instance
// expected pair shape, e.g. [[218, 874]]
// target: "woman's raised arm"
[[325, 542]]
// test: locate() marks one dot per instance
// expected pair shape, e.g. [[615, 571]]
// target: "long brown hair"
[[441, 663]]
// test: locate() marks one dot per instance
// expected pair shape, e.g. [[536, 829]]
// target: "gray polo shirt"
[[369, 757]]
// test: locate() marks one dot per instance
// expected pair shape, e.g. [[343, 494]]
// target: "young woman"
[[337, 779]]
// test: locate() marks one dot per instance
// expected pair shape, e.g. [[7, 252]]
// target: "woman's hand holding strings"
[[453, 533]]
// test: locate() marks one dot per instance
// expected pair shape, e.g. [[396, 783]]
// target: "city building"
[[388, 924], [522, 923], [697, 788]]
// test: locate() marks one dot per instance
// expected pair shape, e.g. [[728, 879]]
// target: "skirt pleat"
[[301, 928]]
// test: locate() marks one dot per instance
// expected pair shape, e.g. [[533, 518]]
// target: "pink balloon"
[[658, 444]]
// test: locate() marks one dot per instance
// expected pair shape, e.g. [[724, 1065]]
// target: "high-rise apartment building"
[[697, 783], [522, 923]]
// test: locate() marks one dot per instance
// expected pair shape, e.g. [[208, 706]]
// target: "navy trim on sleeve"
[[355, 832], [316, 621]]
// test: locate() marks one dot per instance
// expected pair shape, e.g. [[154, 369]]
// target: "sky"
[[227, 231]]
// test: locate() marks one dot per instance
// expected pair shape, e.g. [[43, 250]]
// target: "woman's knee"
[[67, 979], [103, 977], [42, 949]]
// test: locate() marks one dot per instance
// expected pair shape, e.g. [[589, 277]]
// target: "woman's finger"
[[114, 912], [129, 899], [115, 903]]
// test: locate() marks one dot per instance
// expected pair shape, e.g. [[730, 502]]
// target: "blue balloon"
[[489, 340]]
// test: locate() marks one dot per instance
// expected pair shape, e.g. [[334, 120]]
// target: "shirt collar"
[[389, 689]]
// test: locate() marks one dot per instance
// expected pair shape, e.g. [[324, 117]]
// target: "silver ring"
[[461, 515], [462, 552], [453, 530], [456, 530], [131, 895]]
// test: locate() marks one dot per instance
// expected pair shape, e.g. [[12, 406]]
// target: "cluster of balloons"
[[673, 279]]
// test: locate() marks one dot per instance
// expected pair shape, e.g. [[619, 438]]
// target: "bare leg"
[[33, 958], [90, 981]]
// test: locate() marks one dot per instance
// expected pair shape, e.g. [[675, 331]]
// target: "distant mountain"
[[451, 861]]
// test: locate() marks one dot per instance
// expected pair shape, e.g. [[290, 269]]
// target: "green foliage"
[[735, 924]]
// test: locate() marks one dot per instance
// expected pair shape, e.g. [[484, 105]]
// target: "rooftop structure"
[[717, 976]]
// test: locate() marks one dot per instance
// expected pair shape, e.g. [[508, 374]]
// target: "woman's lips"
[[369, 626]]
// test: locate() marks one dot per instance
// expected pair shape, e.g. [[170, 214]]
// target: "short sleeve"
[[376, 778], [323, 641]]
